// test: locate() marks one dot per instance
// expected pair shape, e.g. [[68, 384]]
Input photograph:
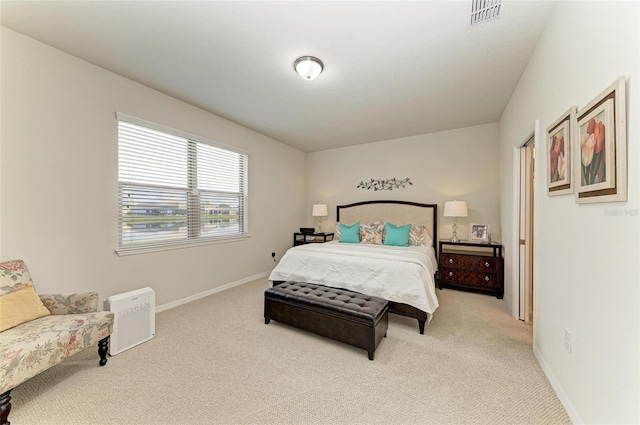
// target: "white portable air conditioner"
[[135, 318]]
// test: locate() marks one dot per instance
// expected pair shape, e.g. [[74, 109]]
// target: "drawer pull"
[[450, 274], [486, 278], [450, 260], [486, 264]]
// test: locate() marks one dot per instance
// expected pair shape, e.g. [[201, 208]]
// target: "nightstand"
[[304, 238], [480, 269]]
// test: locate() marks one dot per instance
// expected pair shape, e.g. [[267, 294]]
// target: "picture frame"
[[559, 141], [478, 232], [600, 145]]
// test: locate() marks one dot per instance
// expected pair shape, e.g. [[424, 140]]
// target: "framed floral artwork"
[[601, 148], [559, 136]]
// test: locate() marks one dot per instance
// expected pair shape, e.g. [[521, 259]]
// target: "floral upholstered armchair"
[[38, 332]]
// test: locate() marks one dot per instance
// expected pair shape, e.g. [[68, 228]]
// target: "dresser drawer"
[[476, 279], [469, 262]]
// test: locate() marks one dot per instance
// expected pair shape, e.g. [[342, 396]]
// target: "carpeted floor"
[[214, 361]]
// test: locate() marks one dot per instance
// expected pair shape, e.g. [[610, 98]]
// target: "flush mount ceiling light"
[[308, 67]]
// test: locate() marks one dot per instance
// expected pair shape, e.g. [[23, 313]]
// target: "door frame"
[[518, 298]]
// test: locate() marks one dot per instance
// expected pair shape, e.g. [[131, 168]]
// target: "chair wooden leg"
[[103, 347], [5, 407]]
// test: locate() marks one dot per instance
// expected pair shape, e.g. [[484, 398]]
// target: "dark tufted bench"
[[349, 317]]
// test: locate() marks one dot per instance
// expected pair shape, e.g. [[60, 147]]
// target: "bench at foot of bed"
[[345, 316], [395, 308]]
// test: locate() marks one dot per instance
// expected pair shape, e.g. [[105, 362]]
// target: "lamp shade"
[[320, 210], [455, 209], [308, 67]]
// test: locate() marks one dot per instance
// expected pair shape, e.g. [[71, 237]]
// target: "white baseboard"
[[566, 403], [212, 291]]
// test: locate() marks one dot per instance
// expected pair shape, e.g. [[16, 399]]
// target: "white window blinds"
[[174, 190]]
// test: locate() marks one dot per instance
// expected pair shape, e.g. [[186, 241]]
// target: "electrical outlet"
[[567, 340]]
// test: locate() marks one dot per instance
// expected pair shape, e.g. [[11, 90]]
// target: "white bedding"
[[400, 274]]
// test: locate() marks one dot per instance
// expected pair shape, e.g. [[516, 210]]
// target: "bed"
[[404, 276]]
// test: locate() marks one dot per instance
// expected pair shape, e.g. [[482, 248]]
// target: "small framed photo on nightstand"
[[479, 232]]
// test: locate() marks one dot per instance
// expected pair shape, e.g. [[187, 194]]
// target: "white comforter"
[[400, 274]]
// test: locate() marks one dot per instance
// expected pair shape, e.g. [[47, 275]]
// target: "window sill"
[[178, 245]]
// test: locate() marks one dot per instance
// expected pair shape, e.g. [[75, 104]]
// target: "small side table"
[[305, 238]]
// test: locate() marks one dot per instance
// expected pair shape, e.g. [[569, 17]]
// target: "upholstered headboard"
[[396, 212]]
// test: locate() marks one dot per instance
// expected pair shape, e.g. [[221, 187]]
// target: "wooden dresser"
[[479, 269]]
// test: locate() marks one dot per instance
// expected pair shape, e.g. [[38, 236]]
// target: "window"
[[177, 189]]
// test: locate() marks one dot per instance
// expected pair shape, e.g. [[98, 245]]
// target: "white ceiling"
[[392, 69]]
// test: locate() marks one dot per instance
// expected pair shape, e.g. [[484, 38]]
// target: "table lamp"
[[319, 210], [455, 209]]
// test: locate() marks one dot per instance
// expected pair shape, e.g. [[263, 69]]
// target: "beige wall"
[[59, 179], [458, 164], [586, 273]]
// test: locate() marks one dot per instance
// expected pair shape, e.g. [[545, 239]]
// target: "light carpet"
[[214, 361]]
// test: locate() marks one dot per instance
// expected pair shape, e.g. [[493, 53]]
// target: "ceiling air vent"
[[483, 11]]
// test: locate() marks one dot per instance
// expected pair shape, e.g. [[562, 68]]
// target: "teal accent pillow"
[[397, 235], [350, 234]]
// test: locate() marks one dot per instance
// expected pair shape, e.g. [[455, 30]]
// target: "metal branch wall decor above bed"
[[384, 184]]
